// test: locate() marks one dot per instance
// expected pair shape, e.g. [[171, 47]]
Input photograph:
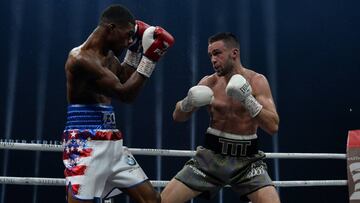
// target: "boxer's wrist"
[[185, 105], [132, 58], [146, 66], [252, 105], [240, 89]]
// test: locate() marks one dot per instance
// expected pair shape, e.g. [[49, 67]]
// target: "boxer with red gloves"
[[239, 101], [97, 165]]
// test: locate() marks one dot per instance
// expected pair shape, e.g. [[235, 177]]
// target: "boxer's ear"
[[235, 52]]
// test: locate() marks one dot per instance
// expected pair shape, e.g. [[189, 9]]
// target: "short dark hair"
[[117, 14], [228, 38]]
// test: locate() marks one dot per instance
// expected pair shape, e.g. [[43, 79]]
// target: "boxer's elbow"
[[126, 94], [273, 128]]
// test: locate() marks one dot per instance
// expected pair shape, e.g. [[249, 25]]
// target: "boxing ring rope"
[[164, 152], [161, 183]]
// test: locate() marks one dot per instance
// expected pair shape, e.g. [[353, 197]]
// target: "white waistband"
[[219, 133]]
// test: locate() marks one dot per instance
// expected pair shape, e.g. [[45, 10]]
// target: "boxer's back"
[[81, 82]]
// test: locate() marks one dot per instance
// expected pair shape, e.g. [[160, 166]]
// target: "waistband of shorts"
[[97, 134], [220, 133], [93, 116], [231, 144]]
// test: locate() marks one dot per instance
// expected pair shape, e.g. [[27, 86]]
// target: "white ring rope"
[[162, 183], [166, 152], [163, 152]]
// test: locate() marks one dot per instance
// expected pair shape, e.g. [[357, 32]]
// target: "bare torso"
[[227, 114]]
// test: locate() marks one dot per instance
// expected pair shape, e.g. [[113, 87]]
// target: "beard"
[[226, 68]]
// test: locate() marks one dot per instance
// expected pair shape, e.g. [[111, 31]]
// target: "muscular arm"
[[268, 118], [108, 83], [124, 72]]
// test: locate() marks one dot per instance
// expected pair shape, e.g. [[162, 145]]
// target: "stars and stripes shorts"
[[97, 165]]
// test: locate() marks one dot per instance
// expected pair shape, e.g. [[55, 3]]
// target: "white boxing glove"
[[240, 89], [199, 95]]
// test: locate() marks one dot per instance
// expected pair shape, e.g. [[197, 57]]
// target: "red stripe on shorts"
[[82, 153], [107, 135], [87, 134], [74, 188], [75, 171]]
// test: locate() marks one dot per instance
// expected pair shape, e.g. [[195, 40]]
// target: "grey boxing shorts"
[[210, 170]]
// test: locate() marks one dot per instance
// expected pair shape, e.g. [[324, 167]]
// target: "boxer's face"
[[121, 37], [220, 57]]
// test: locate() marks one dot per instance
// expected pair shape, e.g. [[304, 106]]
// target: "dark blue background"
[[309, 50]]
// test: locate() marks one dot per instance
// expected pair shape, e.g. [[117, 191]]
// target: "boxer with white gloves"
[[155, 43], [240, 89], [238, 101], [197, 96]]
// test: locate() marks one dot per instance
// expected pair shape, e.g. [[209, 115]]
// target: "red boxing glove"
[[133, 54], [140, 28], [155, 43]]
